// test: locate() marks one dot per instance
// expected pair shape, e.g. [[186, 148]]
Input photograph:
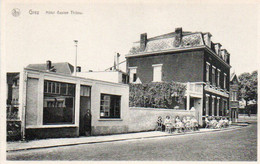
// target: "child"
[[207, 122], [214, 122], [168, 124], [194, 124], [225, 122], [159, 123], [220, 123], [178, 124], [188, 124]]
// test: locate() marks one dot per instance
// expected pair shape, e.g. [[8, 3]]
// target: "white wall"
[[104, 76], [34, 109], [144, 119], [109, 126]]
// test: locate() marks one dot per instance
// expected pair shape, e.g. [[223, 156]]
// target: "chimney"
[[178, 37], [217, 48], [225, 55], [207, 39], [78, 69], [48, 65], [228, 58], [143, 41]]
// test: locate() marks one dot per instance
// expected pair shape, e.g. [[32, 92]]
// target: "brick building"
[[187, 57]]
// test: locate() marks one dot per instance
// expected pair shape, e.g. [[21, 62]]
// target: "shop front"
[[57, 105]]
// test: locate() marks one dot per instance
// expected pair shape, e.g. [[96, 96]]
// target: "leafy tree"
[[248, 87]]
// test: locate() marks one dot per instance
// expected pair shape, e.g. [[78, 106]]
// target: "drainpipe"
[[24, 103]]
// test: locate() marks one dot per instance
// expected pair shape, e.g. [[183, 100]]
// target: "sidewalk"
[[48, 143]]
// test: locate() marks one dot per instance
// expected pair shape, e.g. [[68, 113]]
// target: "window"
[[207, 104], [110, 106], [59, 103], [207, 72], [213, 105], [157, 72], [133, 75], [52, 87], [218, 78], [233, 96], [218, 98], [225, 80], [213, 75], [225, 108]]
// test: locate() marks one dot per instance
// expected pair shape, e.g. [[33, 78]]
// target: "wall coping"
[[50, 126], [161, 109]]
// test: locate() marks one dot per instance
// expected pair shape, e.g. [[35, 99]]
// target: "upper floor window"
[[133, 75], [225, 81], [207, 72], [213, 75], [218, 78], [157, 72]]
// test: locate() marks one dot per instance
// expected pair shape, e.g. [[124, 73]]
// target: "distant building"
[[63, 67], [234, 103], [187, 57]]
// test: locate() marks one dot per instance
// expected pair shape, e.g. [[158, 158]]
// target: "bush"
[[13, 130], [156, 94]]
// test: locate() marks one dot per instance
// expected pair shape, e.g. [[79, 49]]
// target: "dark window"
[[135, 77], [58, 106], [110, 106], [63, 89], [213, 76]]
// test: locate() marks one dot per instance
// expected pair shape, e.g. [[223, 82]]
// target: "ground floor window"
[[110, 106], [58, 106]]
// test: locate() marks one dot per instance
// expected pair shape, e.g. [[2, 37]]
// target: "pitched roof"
[[167, 42], [233, 76], [63, 67]]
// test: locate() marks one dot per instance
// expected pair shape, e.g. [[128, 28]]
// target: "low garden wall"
[[144, 119]]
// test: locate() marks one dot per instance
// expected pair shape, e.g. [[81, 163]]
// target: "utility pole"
[[75, 68]]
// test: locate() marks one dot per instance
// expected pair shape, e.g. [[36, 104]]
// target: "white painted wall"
[[110, 76], [34, 110]]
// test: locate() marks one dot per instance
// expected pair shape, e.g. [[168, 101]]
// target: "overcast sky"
[[104, 29]]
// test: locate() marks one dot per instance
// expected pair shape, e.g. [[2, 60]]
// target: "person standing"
[[87, 122]]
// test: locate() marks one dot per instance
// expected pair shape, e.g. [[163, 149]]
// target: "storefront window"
[[59, 103], [110, 106]]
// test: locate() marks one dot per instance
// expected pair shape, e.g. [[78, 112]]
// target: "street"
[[233, 145]]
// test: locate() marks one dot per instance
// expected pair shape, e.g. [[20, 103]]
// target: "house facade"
[[186, 57], [57, 104], [234, 103]]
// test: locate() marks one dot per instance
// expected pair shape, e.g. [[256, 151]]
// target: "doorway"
[[85, 111]]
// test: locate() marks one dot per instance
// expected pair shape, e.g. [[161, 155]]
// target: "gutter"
[[178, 50]]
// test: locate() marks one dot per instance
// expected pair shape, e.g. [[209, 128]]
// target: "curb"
[[125, 139]]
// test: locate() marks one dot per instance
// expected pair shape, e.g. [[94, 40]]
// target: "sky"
[[104, 29]]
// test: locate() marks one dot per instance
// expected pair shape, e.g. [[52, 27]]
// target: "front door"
[[85, 111]]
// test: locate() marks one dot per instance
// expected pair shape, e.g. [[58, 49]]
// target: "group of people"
[[212, 122], [186, 124]]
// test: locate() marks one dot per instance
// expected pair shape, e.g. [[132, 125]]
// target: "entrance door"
[[233, 114], [85, 111]]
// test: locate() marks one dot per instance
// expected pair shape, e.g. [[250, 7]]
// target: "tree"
[[248, 87]]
